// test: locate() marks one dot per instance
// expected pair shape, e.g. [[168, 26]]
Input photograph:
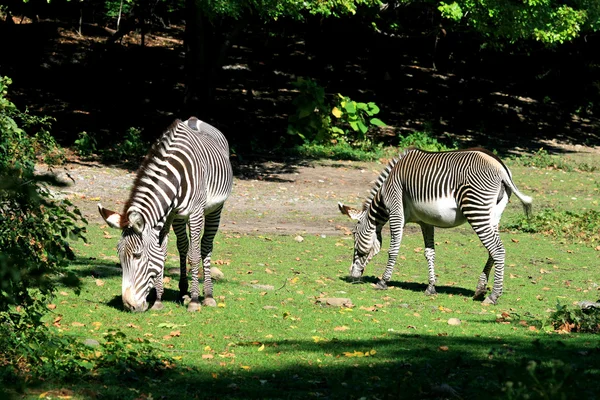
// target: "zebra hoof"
[[381, 285], [194, 306], [158, 305], [479, 294], [430, 291], [489, 301], [209, 302]]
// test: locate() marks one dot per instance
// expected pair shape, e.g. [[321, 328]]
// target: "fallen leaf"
[[51, 306], [207, 356], [341, 328], [77, 324], [99, 282], [175, 333], [443, 348], [261, 348]]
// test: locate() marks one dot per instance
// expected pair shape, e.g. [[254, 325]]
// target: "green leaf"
[[377, 122], [350, 106]]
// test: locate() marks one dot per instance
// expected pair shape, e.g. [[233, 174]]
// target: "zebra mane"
[[383, 176], [152, 154]]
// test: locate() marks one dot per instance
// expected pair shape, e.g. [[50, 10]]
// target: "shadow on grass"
[[392, 366], [412, 286]]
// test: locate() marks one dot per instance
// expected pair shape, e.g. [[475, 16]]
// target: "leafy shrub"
[[312, 120], [85, 145], [574, 226], [423, 141], [575, 319], [131, 148], [358, 116], [34, 227]]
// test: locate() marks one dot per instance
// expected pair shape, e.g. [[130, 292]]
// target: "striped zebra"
[[442, 190], [184, 182]]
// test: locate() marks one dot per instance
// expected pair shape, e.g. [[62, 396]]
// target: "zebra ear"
[[353, 213], [113, 219], [136, 221]]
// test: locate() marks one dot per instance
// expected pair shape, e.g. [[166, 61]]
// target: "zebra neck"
[[376, 210]]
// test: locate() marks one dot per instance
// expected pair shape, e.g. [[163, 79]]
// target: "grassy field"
[[270, 337]]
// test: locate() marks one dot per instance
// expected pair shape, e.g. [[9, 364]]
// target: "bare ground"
[[267, 198]]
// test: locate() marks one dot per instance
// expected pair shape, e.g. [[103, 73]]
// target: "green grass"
[[269, 338], [259, 342]]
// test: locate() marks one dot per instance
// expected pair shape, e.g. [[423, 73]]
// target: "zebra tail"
[[525, 200]]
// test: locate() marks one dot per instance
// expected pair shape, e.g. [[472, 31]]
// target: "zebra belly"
[[442, 213]]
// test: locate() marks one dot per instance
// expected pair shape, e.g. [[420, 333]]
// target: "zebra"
[[183, 182], [436, 189]]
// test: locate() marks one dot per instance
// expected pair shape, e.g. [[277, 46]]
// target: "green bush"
[[34, 227], [575, 319], [423, 141], [581, 226], [312, 119]]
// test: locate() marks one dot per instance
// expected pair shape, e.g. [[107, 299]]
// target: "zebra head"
[[140, 254], [367, 240]]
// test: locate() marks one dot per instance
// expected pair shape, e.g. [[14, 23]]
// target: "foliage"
[[312, 120], [542, 159], [583, 226], [36, 353], [341, 150], [132, 147], [570, 319], [359, 116], [85, 145], [423, 141], [34, 227], [547, 21]]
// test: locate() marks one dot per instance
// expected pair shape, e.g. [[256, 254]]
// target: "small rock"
[[335, 301], [216, 274], [263, 287], [91, 342], [454, 321], [299, 239]]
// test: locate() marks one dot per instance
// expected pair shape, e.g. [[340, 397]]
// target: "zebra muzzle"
[[131, 304]]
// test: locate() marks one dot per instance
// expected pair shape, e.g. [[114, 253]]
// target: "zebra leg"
[[183, 245], [211, 225], [196, 226], [491, 240], [428, 238], [481, 289], [159, 280], [396, 229]]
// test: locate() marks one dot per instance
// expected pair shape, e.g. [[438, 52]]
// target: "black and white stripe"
[[442, 189], [184, 182]]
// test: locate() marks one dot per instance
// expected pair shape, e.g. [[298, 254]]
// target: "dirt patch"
[[267, 198]]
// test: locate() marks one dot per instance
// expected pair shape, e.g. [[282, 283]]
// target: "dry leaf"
[[175, 333], [51, 306], [99, 282], [207, 356], [77, 324], [443, 348], [341, 328]]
